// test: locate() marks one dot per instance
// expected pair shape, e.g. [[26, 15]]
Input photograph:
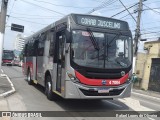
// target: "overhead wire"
[[22, 14], [127, 10], [152, 2], [10, 12], [124, 10], [51, 17], [142, 10], [61, 5], [103, 5], [44, 8], [151, 28], [151, 33], [29, 21], [152, 9]]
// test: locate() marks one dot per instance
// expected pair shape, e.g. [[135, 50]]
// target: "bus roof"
[[88, 20]]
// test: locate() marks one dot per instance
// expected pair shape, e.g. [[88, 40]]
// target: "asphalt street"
[[32, 98]]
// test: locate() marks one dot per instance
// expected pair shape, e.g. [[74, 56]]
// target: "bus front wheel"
[[48, 89]]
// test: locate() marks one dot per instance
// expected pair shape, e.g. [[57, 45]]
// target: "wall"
[[153, 49]]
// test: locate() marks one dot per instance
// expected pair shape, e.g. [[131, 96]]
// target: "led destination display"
[[101, 22]]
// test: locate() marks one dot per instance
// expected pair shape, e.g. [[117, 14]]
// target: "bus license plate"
[[103, 91]]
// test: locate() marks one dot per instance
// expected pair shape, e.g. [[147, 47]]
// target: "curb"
[[8, 93]]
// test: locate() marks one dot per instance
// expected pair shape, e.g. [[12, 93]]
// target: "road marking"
[[146, 96], [8, 92], [147, 101], [114, 103], [2, 71], [134, 104], [150, 118]]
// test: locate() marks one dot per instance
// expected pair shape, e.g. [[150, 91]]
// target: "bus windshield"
[[8, 56], [114, 50]]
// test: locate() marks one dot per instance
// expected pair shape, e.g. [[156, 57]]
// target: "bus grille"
[[95, 93]]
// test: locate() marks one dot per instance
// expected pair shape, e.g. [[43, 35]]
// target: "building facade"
[[148, 66], [19, 43]]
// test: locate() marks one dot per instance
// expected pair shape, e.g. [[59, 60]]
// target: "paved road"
[[32, 98]]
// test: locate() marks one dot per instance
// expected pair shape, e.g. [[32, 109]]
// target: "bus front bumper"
[[9, 63], [81, 91]]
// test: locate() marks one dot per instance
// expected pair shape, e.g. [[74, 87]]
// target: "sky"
[[36, 14]]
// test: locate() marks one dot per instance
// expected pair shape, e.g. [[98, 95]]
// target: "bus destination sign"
[[101, 22]]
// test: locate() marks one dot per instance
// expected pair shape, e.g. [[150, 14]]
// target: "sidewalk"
[[147, 92]]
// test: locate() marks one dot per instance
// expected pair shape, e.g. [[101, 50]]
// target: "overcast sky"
[[36, 14]]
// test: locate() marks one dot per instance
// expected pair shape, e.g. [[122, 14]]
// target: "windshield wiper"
[[93, 39]]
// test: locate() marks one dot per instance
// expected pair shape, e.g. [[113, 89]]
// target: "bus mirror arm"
[[66, 51], [68, 36]]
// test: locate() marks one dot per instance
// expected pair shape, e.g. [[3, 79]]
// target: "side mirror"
[[68, 36], [121, 54]]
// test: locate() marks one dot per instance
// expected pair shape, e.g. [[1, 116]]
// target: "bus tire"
[[48, 89], [29, 80]]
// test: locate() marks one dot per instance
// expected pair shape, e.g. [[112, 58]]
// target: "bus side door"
[[40, 57], [60, 58]]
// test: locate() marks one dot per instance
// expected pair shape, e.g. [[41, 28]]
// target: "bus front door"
[[60, 61]]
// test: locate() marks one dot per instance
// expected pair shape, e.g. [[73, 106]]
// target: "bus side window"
[[28, 49], [25, 50], [35, 48], [41, 44], [52, 43]]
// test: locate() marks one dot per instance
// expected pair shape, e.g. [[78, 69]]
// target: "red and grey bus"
[[81, 57], [8, 57]]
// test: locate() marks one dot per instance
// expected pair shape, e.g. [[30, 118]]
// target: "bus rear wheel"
[[29, 80], [48, 89]]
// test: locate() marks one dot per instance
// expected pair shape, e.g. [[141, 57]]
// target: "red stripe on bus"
[[30, 65], [6, 61], [100, 82]]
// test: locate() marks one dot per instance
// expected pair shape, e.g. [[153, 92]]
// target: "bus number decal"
[[114, 82]]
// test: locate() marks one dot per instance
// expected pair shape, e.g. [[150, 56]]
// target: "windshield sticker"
[[100, 35], [84, 33]]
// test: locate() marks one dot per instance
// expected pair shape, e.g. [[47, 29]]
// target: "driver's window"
[[126, 48], [60, 47], [120, 48], [61, 44]]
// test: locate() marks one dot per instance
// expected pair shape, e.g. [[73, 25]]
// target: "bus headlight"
[[130, 75], [72, 77], [12, 61]]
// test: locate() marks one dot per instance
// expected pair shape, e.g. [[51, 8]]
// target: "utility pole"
[[2, 27], [137, 31]]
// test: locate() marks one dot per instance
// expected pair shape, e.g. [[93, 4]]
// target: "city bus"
[[8, 57], [81, 57]]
